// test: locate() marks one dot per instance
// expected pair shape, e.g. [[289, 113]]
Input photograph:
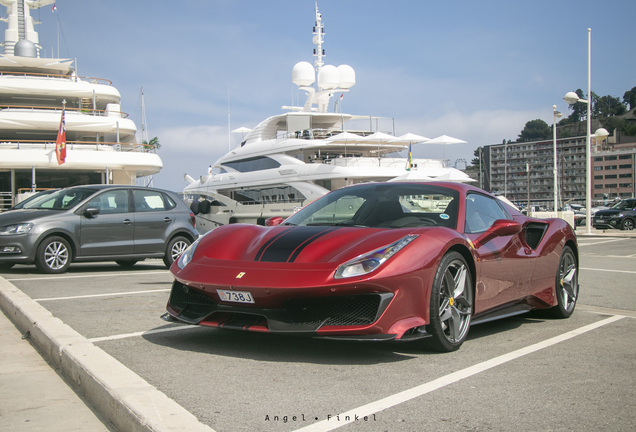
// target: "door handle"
[[127, 221], [167, 220]]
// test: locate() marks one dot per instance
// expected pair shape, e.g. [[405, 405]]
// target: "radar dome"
[[328, 77], [24, 48], [303, 74], [347, 76]]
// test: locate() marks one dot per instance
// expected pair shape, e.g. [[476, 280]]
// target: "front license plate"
[[235, 296]]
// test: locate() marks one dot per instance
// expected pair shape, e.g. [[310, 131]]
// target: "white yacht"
[[291, 159], [100, 139]]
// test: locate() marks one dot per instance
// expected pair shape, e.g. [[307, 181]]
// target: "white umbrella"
[[445, 140], [409, 138], [455, 176], [412, 176], [242, 130], [376, 137], [343, 137]]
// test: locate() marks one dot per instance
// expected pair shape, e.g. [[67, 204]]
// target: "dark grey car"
[[621, 215], [97, 223]]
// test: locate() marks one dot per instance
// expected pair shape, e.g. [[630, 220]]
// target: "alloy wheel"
[[455, 302], [56, 255]]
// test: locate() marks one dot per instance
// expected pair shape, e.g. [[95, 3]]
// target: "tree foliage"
[[476, 161], [152, 144], [607, 106], [629, 98], [579, 109], [535, 130]]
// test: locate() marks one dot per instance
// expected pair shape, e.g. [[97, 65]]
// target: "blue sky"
[[477, 71]]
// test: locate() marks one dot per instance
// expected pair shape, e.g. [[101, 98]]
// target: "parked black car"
[[117, 223], [620, 216]]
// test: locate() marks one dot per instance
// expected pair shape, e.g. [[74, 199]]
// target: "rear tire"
[[53, 255], [451, 304], [176, 247], [567, 285]]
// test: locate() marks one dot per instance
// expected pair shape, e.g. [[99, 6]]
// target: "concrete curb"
[[120, 395]]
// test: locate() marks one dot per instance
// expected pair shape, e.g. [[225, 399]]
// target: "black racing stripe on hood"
[[287, 246], [269, 242]]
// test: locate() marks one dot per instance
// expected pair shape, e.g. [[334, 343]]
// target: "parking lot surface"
[[526, 373]]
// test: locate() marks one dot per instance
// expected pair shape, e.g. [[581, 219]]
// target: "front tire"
[[627, 224], [567, 284], [451, 304], [176, 247], [53, 255]]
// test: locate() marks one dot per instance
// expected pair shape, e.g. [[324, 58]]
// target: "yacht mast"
[[144, 130], [319, 33]]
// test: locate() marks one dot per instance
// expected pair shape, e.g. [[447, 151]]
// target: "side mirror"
[[501, 228], [273, 221], [90, 212]]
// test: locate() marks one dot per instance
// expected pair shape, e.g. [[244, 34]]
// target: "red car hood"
[[296, 244]]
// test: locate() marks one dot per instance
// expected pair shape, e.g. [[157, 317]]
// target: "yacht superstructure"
[[100, 138], [291, 159]]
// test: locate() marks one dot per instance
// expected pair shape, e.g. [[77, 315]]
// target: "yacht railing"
[[93, 112], [74, 78], [79, 145]]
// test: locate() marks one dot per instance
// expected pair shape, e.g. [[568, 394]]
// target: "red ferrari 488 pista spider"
[[380, 262]]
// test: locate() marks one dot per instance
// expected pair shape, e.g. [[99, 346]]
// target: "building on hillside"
[[524, 171]]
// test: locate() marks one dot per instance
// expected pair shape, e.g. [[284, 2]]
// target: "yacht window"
[[275, 194], [253, 164]]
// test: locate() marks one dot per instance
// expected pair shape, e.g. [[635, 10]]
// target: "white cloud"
[[188, 150]]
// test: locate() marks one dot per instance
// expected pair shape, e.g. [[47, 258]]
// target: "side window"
[[482, 212], [170, 204], [115, 201], [148, 201]]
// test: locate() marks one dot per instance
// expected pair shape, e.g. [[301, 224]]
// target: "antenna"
[[229, 138], [319, 32], [144, 125]]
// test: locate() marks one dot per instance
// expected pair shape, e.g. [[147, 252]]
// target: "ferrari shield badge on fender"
[[240, 275]]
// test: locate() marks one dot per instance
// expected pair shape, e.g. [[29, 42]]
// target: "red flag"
[[60, 143]]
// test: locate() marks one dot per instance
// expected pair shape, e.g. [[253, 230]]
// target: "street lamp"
[[572, 98], [600, 135], [555, 115]]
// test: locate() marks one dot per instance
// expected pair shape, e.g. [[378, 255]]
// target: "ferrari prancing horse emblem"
[[240, 275]]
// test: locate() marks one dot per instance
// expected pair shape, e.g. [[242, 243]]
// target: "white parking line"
[[102, 295], [135, 273], [601, 242], [143, 333], [368, 410], [607, 270]]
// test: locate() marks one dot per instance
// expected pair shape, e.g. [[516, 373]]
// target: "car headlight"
[[186, 257], [368, 262], [23, 228]]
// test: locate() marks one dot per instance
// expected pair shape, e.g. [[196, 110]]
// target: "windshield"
[[624, 205], [383, 205], [64, 199], [32, 200]]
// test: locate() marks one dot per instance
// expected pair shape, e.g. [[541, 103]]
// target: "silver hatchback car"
[[117, 223]]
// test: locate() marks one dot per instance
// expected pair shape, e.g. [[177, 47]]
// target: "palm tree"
[[153, 144]]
